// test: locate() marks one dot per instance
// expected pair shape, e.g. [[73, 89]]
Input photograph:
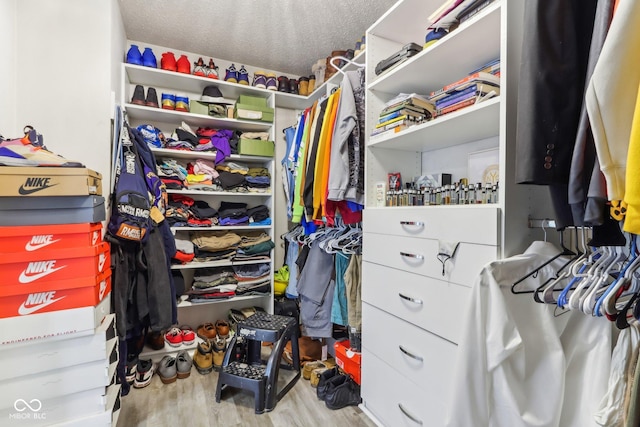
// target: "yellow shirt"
[[632, 182]]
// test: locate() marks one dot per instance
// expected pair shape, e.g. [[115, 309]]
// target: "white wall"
[[8, 126], [64, 57]]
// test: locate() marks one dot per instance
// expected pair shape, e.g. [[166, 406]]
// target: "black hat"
[[212, 94]]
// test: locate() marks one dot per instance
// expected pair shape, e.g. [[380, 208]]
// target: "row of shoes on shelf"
[[324, 70]]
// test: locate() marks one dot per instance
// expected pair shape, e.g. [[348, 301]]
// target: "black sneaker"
[[283, 84], [152, 98], [345, 394], [325, 381], [138, 95], [131, 368], [144, 373]]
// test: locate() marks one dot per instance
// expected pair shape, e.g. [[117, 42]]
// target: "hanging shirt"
[[519, 365]]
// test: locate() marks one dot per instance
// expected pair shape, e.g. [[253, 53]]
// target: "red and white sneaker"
[[188, 335], [173, 337]]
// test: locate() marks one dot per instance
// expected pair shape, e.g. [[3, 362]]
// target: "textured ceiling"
[[281, 35]]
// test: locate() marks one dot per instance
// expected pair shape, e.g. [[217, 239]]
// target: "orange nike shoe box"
[[49, 181], [21, 268], [41, 238], [54, 295]]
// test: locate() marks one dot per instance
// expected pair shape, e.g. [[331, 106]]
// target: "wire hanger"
[[342, 58]]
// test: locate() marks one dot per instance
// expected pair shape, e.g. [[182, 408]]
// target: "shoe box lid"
[[256, 147], [257, 101], [49, 237], [253, 112], [41, 327], [348, 360], [18, 268], [40, 356], [41, 297], [49, 181], [49, 210]]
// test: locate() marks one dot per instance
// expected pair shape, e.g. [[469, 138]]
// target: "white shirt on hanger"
[[518, 364]]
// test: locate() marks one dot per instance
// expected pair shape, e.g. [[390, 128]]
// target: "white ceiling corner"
[[280, 35]]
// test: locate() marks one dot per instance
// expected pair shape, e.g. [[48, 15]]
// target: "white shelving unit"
[[402, 243]]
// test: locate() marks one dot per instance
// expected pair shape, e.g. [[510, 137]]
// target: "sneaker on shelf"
[[182, 103], [173, 337], [231, 75], [29, 151], [155, 340], [243, 76], [303, 86], [183, 364], [138, 95], [260, 79], [148, 58], [168, 62], [203, 357], [168, 101], [130, 368], [152, 98], [183, 65], [222, 329], [134, 56], [283, 84], [144, 373], [212, 70], [207, 331], [312, 84], [272, 82], [219, 347], [293, 86], [188, 336], [199, 68], [167, 370]]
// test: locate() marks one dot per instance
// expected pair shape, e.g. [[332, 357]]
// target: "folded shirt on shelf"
[[213, 273], [250, 238], [251, 270], [263, 288], [215, 240]]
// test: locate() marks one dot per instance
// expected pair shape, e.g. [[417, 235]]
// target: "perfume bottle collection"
[[459, 193]]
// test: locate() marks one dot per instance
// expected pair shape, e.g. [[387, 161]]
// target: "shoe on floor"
[[219, 347], [199, 68], [183, 65], [231, 74], [203, 357], [167, 370], [134, 56], [316, 375], [207, 331], [130, 368], [152, 98], [346, 393], [138, 96], [243, 76], [272, 82], [324, 381], [144, 373], [148, 58], [212, 70], [22, 152], [183, 364], [222, 329], [309, 367], [188, 336], [168, 62]]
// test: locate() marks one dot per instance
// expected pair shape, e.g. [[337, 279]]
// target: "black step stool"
[[257, 375]]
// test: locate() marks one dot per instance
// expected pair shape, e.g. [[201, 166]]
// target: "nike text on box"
[[46, 296], [46, 210], [53, 325], [53, 265], [49, 237], [37, 181]]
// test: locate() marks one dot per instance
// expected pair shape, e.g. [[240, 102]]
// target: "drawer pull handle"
[[414, 223], [411, 355], [409, 415], [413, 300], [408, 255]]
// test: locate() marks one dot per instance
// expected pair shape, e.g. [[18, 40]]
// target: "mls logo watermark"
[[28, 410]]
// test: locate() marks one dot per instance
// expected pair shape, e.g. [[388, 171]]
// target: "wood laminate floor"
[[191, 402]]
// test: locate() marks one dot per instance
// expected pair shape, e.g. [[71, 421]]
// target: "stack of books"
[[403, 111], [472, 89]]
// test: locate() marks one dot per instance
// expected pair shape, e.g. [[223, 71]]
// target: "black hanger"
[[565, 252]]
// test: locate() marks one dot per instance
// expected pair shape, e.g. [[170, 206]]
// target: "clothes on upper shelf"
[[521, 365], [324, 159]]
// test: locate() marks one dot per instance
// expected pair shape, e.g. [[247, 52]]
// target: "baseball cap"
[[212, 95]]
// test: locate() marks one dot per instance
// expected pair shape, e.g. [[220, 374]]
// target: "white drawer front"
[[424, 358], [394, 400], [423, 301], [420, 256], [456, 223]]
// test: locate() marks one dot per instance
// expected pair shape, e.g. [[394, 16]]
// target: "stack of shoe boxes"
[[58, 346]]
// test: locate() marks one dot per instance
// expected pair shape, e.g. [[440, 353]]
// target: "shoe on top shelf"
[[212, 70], [183, 65], [231, 74], [243, 76], [199, 68], [272, 82], [134, 56], [148, 58], [260, 79], [152, 98], [168, 62], [283, 84], [138, 95]]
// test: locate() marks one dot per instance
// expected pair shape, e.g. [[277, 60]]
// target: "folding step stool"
[[256, 375]]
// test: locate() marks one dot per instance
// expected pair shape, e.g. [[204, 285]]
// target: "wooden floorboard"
[[191, 402]]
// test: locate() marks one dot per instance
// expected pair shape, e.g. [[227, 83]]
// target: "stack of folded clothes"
[[259, 215], [233, 213], [253, 279], [202, 175], [213, 283], [232, 176], [184, 250], [254, 245], [183, 211], [215, 245], [258, 180], [172, 173]]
